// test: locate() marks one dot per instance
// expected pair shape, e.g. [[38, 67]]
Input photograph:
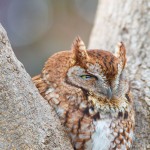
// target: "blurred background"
[[39, 28]]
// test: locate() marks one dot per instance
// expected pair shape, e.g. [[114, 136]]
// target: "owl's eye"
[[86, 76]]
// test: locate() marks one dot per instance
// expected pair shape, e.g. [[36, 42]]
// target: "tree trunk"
[[26, 119], [129, 21]]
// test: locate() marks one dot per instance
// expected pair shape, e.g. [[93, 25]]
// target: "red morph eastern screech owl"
[[90, 93]]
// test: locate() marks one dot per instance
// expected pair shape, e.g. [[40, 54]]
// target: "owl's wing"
[[40, 84]]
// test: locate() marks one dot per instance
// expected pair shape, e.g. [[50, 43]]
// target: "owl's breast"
[[88, 128], [111, 134], [102, 138]]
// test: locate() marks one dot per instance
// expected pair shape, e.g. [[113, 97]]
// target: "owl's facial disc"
[[91, 82], [97, 71]]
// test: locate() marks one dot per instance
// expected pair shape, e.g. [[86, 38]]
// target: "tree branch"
[[26, 119]]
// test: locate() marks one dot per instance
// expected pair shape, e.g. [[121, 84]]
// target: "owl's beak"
[[109, 93]]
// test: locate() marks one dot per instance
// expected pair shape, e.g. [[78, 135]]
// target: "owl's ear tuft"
[[120, 53], [79, 49]]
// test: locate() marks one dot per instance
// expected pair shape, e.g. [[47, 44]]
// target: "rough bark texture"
[[129, 21], [26, 119]]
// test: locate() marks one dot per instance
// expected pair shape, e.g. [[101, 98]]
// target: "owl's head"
[[99, 73]]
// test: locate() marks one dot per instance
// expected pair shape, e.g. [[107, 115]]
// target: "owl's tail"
[[40, 84]]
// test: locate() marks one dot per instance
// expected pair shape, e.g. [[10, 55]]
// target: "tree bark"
[[129, 21], [26, 119]]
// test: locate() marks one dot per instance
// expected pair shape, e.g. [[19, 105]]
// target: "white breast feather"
[[102, 136]]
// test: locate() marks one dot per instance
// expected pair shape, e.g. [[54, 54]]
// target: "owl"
[[89, 90]]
